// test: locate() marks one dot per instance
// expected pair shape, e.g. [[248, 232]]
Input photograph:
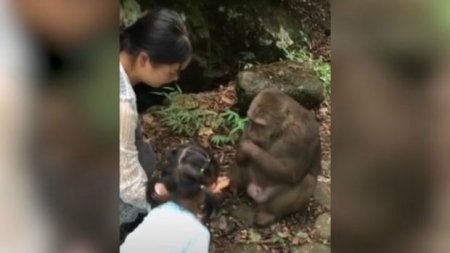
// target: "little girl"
[[174, 226]]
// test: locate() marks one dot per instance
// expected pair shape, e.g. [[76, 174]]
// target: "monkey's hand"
[[241, 158], [249, 148]]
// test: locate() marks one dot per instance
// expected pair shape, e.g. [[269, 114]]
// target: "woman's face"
[[157, 75]]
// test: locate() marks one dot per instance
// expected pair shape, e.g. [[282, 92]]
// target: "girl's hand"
[[221, 183], [161, 192], [199, 216]]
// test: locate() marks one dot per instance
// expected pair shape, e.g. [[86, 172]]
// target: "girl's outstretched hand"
[[221, 183], [161, 192]]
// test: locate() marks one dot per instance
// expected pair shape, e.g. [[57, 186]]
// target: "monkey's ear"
[[260, 121]]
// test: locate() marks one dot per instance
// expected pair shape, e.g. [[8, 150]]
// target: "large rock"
[[295, 79], [322, 194], [323, 226]]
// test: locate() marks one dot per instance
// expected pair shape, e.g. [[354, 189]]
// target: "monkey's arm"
[[270, 165]]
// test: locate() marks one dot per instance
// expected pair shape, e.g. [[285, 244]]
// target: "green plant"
[[300, 53], [237, 123], [182, 115], [283, 38], [233, 124], [183, 119], [322, 68], [178, 121], [220, 140], [130, 11], [169, 92], [254, 236]]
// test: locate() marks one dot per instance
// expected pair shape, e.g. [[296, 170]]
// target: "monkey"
[[279, 156]]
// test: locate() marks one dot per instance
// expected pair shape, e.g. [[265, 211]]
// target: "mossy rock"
[[323, 225], [322, 194], [295, 79]]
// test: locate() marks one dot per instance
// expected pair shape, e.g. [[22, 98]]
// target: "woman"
[[154, 51]]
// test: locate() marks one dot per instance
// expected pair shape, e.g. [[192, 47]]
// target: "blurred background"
[[59, 131], [390, 133], [59, 127]]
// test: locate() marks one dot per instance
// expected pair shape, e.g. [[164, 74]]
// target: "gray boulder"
[[295, 79]]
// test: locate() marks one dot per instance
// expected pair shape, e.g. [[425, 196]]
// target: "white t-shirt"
[[169, 228]]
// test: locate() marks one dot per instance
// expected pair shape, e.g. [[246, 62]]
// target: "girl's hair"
[[188, 170], [161, 34]]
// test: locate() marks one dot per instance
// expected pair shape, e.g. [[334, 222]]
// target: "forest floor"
[[232, 228]]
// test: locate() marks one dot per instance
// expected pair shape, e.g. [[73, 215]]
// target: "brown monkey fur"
[[279, 156]]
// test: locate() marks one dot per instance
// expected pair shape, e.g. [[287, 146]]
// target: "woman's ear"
[[143, 59]]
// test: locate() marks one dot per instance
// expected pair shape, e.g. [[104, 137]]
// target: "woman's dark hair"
[[188, 170], [161, 34]]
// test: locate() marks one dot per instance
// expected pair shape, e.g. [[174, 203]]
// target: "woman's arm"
[[132, 176]]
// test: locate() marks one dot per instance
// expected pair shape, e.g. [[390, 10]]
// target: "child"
[[175, 226]]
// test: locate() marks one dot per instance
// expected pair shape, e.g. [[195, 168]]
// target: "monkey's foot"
[[264, 219]]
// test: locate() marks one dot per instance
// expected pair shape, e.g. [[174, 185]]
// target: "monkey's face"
[[258, 131], [264, 117]]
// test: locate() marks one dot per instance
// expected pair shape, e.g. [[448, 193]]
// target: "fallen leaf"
[[243, 234], [283, 235], [148, 118], [223, 224], [302, 235], [227, 100], [204, 141], [205, 131], [254, 236]]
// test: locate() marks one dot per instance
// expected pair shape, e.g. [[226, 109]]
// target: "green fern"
[[220, 140], [233, 125], [169, 92], [187, 122]]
